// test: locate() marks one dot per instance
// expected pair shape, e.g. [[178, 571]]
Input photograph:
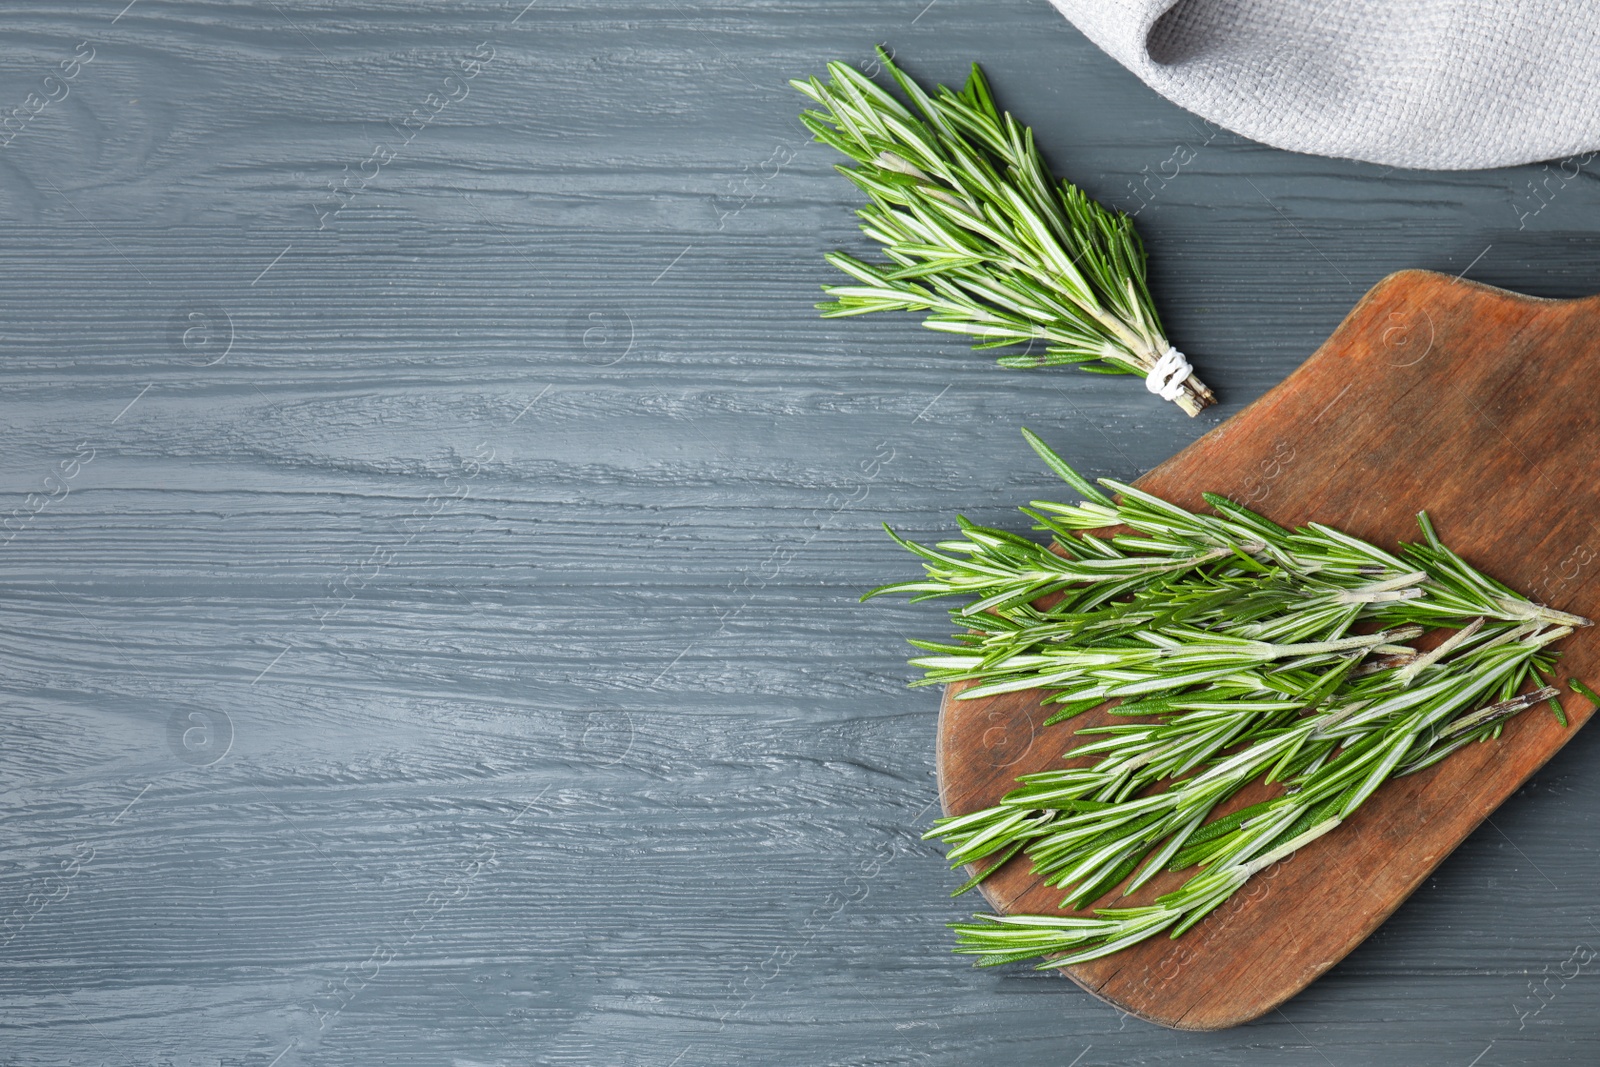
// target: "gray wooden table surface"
[[428, 603]]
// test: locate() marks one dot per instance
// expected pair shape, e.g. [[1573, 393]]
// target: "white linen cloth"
[[1448, 84]]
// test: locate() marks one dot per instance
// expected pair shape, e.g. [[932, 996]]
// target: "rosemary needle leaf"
[[1065, 472]]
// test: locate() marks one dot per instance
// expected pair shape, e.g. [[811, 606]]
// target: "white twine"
[[1167, 376]]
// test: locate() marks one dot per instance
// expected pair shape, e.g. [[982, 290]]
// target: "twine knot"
[[1165, 379]]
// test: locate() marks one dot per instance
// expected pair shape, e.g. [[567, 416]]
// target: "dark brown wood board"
[[1472, 403]]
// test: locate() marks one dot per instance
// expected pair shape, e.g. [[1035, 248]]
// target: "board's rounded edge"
[[947, 696], [1481, 287]]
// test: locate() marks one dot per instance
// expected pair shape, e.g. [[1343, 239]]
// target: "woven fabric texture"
[[1446, 84]]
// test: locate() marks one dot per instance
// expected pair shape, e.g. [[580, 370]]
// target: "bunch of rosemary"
[[982, 237], [1234, 647]]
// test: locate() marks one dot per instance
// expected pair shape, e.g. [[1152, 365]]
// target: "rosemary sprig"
[[982, 237], [1321, 800], [1232, 640], [1374, 720]]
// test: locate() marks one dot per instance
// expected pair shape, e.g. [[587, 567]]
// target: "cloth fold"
[[1446, 84]]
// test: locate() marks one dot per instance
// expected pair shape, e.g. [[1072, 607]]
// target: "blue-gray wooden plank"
[[436, 641]]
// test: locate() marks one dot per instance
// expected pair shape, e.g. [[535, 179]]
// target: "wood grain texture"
[[641, 618], [1398, 412]]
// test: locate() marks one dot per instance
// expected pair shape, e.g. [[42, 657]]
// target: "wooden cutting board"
[[1475, 404]]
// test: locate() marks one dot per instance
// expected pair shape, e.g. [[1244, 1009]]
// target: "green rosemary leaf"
[[1243, 515], [1584, 691], [1213, 830], [1087, 488], [977, 879], [1071, 709]]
